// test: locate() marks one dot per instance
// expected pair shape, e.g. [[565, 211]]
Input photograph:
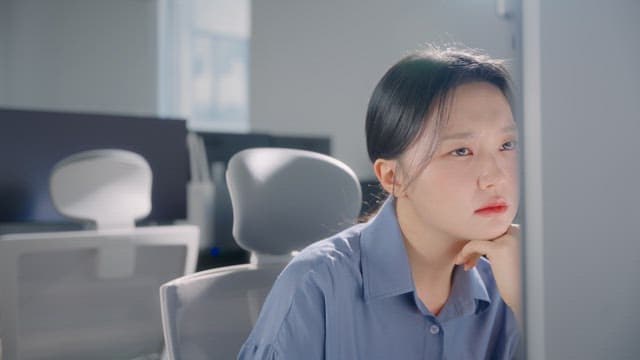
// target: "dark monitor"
[[220, 147], [317, 144], [31, 142]]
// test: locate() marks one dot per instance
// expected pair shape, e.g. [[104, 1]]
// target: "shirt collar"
[[468, 296], [385, 265], [386, 271]]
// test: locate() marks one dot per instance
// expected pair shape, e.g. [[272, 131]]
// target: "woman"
[[412, 282]]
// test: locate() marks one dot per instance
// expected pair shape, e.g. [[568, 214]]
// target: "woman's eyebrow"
[[466, 135]]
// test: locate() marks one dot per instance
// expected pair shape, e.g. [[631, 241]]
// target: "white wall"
[[83, 55], [315, 63], [590, 92]]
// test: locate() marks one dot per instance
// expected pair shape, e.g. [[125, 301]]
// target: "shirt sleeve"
[[291, 324]]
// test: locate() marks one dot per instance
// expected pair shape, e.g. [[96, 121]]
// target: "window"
[[204, 63]]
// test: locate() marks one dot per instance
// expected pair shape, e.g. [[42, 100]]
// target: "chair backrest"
[[111, 187], [92, 294], [285, 199], [61, 300], [289, 199]]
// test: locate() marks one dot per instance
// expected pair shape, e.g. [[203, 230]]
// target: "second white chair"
[[92, 294], [282, 201]]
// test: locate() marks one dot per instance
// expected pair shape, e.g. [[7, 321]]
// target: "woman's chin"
[[490, 232]]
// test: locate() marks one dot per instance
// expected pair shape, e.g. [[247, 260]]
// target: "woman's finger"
[[472, 261], [472, 248]]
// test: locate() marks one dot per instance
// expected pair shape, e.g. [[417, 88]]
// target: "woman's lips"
[[492, 210]]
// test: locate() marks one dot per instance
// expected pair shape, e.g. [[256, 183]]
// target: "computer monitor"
[[32, 142]]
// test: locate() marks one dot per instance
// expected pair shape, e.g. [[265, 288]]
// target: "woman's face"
[[475, 165]]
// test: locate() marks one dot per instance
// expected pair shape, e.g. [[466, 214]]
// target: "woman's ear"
[[388, 174]]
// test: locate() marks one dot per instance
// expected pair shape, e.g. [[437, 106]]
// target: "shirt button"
[[434, 329]]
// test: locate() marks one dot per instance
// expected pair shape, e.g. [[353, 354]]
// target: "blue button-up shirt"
[[352, 296]]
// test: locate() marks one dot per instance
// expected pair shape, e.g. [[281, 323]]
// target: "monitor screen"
[[32, 142]]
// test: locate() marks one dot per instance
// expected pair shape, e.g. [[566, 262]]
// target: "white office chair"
[[282, 200], [92, 294]]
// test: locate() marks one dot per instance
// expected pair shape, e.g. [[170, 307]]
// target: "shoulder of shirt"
[[331, 254], [309, 272]]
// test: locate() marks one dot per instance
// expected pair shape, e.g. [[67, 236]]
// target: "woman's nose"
[[491, 173]]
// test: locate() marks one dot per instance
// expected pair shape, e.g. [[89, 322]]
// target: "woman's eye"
[[509, 145], [461, 152]]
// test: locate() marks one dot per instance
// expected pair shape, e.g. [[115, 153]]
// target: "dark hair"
[[416, 86]]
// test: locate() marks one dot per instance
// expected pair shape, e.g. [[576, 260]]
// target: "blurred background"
[[141, 74]]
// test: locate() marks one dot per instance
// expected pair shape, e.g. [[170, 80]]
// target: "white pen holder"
[[200, 210]]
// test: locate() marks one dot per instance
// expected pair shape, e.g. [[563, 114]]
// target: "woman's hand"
[[504, 254]]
